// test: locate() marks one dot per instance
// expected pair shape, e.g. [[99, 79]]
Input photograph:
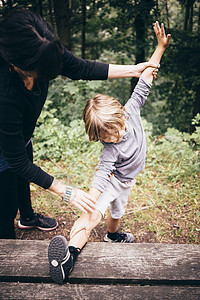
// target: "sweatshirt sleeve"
[[138, 97], [105, 167], [12, 144], [77, 68]]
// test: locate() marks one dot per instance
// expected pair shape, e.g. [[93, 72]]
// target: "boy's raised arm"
[[163, 42]]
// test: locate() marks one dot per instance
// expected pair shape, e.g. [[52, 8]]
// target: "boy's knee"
[[95, 219]]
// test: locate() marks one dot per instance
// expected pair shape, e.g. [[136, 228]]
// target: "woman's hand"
[[139, 68], [83, 201]]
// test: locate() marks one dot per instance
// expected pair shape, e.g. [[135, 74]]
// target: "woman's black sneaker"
[[60, 259], [38, 221], [118, 237]]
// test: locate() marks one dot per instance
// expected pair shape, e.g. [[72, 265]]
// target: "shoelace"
[[40, 217]]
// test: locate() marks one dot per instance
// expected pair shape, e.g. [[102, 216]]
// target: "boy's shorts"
[[116, 196]]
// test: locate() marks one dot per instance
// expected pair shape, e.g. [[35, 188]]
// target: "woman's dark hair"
[[28, 42]]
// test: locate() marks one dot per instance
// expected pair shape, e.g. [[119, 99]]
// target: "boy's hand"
[[139, 68], [163, 40], [155, 72]]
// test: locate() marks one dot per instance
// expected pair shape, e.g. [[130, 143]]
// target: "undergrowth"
[[163, 205]]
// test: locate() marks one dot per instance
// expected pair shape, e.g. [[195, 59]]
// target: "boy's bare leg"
[[62, 256], [82, 227], [112, 224]]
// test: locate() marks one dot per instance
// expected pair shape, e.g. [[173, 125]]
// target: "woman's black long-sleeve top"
[[20, 109]]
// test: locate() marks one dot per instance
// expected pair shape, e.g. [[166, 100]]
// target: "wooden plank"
[[26, 261], [178, 262], [24, 258], [87, 292]]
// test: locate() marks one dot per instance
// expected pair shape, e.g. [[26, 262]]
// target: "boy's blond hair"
[[103, 117]]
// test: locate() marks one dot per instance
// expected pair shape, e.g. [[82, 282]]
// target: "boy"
[[123, 157]]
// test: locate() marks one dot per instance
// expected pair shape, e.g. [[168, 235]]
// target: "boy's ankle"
[[112, 235], [74, 253], [69, 265]]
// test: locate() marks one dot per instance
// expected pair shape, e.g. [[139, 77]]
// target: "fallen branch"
[[134, 211]]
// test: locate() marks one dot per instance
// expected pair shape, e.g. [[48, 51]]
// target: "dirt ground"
[[96, 236], [176, 229], [63, 228]]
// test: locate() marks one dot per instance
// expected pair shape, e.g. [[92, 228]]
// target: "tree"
[[83, 28], [62, 11], [142, 15]]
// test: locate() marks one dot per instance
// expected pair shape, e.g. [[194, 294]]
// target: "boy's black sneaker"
[[39, 221], [118, 237], [60, 259]]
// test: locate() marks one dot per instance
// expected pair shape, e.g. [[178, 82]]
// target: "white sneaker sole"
[[58, 254], [38, 227], [108, 240]]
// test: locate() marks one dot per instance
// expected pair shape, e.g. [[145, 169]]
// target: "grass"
[[164, 205], [161, 208]]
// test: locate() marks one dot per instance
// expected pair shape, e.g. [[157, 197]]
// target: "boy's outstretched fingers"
[[163, 40], [83, 201]]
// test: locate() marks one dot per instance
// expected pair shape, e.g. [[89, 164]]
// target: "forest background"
[[164, 204]]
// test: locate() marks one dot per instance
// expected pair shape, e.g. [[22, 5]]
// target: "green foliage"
[[60, 133], [56, 141], [196, 134], [176, 153], [112, 35], [67, 98], [181, 85], [167, 189]]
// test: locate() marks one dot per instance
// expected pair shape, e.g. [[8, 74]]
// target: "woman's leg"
[[29, 219], [9, 204], [24, 195], [25, 206]]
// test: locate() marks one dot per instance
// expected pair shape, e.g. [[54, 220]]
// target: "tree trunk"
[[9, 4], [140, 25], [157, 15], [51, 14], [167, 12], [62, 11], [140, 29], [83, 29], [197, 102], [199, 20], [40, 8], [34, 6], [191, 16], [187, 13]]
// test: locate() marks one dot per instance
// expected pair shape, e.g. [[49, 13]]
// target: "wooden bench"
[[102, 271]]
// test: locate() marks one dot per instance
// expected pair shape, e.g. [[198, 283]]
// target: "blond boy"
[[121, 132]]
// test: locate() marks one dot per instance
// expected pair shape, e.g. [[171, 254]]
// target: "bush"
[[175, 152], [60, 135]]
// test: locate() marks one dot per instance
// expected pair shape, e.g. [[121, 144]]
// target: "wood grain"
[[95, 292], [26, 260]]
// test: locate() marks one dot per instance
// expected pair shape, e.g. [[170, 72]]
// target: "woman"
[[31, 55]]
